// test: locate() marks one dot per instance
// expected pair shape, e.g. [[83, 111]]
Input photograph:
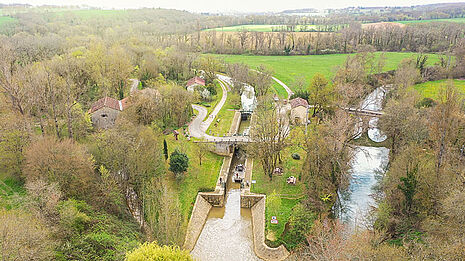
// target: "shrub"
[[179, 162], [426, 103], [151, 251], [296, 156], [212, 89], [298, 226]]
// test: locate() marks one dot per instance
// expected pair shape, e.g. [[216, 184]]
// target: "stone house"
[[105, 111], [299, 109], [194, 82]]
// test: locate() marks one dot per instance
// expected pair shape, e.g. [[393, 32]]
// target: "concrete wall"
[[196, 222], [236, 123], [258, 225]]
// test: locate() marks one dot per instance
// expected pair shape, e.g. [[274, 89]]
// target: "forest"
[[72, 191]]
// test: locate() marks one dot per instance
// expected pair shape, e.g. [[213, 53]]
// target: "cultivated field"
[[287, 68]]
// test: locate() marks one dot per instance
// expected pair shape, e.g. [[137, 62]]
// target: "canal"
[[227, 233]]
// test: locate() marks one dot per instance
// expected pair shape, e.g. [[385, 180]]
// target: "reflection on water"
[[227, 234], [366, 164]]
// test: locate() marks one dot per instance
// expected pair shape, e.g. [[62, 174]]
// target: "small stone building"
[[105, 111], [299, 109], [194, 82]]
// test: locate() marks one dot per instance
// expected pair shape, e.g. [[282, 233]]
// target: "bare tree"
[[269, 134]]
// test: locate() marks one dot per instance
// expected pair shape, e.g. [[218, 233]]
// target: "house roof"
[[298, 102], [195, 80], [106, 102]]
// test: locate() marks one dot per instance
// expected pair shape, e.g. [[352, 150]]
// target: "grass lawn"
[[10, 189], [431, 89], [259, 28], [198, 177], [6, 19], [455, 20], [225, 117], [287, 68], [290, 195]]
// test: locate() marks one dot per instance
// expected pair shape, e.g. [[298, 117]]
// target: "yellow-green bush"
[[152, 251]]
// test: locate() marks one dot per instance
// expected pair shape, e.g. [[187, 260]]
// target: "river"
[[367, 164]]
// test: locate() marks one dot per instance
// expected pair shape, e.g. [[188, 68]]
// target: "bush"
[[295, 156], [179, 162], [426, 103], [212, 89], [298, 226], [205, 189], [151, 251]]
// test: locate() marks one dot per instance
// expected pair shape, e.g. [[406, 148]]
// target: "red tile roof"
[[106, 102], [124, 103], [298, 102], [195, 80]]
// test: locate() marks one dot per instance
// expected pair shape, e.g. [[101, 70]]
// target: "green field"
[[287, 68], [432, 89], [6, 19], [455, 20], [259, 28]]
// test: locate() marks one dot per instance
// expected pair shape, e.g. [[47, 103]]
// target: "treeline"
[[437, 37]]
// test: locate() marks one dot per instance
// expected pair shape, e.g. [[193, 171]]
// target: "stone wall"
[[248, 200], [104, 118], [215, 199], [258, 225], [196, 222]]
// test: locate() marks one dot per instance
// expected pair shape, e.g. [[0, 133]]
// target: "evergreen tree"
[[165, 149]]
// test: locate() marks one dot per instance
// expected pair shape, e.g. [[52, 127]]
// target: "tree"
[[153, 252], [24, 237], [406, 74], [179, 162], [239, 74], [64, 162], [326, 168], [165, 149], [202, 149], [14, 137], [210, 66], [269, 135], [320, 93], [261, 80]]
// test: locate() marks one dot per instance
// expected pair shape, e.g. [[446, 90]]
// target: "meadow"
[[259, 28], [6, 19], [455, 20], [433, 88], [288, 68]]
